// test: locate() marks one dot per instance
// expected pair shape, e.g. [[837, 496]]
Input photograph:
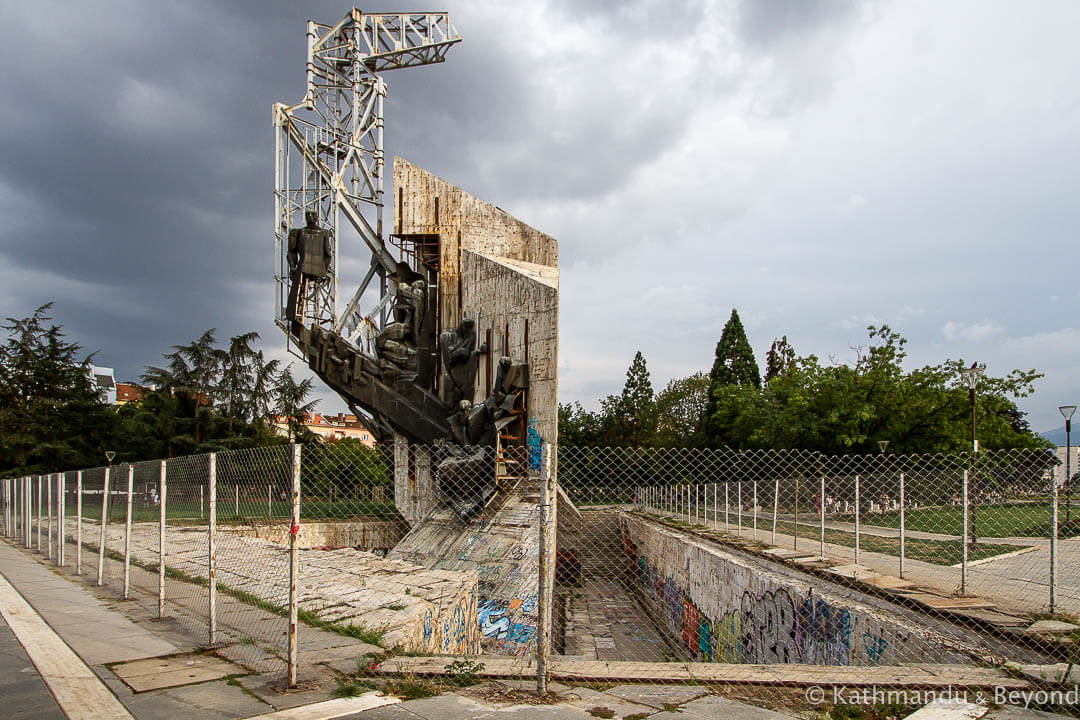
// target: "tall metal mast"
[[329, 157]]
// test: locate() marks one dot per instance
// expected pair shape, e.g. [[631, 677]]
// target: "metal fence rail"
[[582, 562]]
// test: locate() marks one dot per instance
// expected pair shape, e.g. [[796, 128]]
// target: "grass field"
[[938, 552], [1014, 520], [181, 511]]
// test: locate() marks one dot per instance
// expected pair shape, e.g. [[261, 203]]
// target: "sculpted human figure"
[[309, 257]]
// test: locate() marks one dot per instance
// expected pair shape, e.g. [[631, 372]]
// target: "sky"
[[819, 165]]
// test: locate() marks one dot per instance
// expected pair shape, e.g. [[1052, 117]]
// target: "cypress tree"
[[734, 363]]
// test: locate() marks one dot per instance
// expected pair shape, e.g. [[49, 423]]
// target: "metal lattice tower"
[[329, 155]]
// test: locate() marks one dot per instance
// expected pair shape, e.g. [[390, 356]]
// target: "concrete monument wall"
[[725, 608]]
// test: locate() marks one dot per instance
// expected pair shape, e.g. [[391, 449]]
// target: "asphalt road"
[[23, 695]]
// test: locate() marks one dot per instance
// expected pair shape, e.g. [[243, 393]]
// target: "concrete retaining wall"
[[366, 535], [722, 607]]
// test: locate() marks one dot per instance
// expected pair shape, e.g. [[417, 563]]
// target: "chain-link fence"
[[618, 565]]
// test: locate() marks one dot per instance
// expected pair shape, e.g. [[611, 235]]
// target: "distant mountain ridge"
[[1057, 436]]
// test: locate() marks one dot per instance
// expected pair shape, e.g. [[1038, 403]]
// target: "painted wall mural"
[[724, 611]]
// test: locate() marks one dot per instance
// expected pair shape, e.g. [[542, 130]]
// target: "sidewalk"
[[81, 639], [105, 632]]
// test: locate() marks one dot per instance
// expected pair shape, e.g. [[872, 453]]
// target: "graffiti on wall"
[[776, 625], [534, 442], [508, 627]]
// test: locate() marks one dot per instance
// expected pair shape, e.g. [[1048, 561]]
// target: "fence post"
[[236, 500], [161, 543], [61, 506], [29, 511], [294, 563], [127, 532], [727, 508], [738, 501], [755, 508], [39, 487], [902, 522], [821, 545], [858, 511], [211, 555], [1053, 539], [78, 523], [269, 500], [7, 507], [104, 522], [547, 570], [48, 511], [795, 538], [964, 556], [775, 507]]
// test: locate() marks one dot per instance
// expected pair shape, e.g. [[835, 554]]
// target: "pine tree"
[[52, 416], [636, 405], [734, 365]]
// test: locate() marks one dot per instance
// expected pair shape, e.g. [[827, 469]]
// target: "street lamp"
[[883, 444], [109, 455], [1067, 413], [971, 377]]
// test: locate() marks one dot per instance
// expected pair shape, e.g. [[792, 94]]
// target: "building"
[[104, 379], [129, 393], [336, 427]]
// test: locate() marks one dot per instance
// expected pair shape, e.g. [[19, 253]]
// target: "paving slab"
[[657, 696], [1013, 712], [713, 706], [455, 707], [158, 673], [994, 617], [785, 554], [949, 709], [853, 572], [889, 582], [1052, 626], [588, 699], [208, 700], [939, 602]]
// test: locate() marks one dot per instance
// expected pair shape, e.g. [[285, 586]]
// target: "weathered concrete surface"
[[360, 535], [727, 607], [516, 308], [884, 676], [428, 205], [502, 550], [416, 608]]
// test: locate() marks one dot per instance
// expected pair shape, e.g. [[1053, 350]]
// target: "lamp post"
[[1067, 413], [971, 378], [109, 455]]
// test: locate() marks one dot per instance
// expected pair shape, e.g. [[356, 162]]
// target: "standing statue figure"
[[309, 257]]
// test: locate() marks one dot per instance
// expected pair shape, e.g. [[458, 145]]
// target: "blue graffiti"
[[493, 620], [876, 645], [534, 441]]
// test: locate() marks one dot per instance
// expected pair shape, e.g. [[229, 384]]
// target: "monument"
[[449, 345]]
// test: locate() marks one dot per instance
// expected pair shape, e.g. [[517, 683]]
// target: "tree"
[[733, 366], [780, 359], [52, 415], [291, 402], [579, 427], [680, 411], [634, 410], [237, 376], [839, 409]]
